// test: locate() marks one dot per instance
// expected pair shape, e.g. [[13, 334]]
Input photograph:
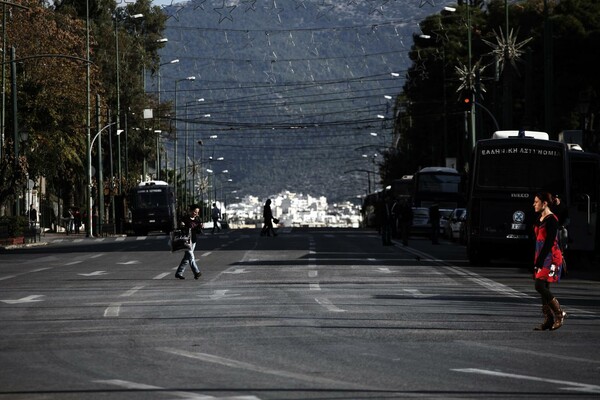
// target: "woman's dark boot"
[[548, 319], [559, 314]]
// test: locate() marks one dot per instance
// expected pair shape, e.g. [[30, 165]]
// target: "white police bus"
[[152, 207]]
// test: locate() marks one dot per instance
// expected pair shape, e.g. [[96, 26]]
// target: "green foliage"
[[51, 86], [432, 125], [16, 224]]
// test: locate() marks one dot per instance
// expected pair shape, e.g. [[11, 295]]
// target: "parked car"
[[420, 222], [444, 218], [453, 223]]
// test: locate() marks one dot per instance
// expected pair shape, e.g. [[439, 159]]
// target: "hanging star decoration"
[[250, 5], [225, 12], [376, 6], [324, 9], [172, 11], [430, 2], [299, 4], [506, 49], [275, 11], [199, 4], [468, 77]]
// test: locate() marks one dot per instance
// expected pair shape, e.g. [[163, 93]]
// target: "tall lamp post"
[[185, 168], [118, 87], [89, 170], [175, 61], [189, 78]]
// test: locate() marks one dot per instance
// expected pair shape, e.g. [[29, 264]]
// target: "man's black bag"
[[180, 240]]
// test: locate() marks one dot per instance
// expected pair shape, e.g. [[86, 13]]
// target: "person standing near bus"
[[216, 216], [192, 223], [548, 261]]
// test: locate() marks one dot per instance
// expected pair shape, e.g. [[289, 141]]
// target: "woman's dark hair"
[[545, 196]]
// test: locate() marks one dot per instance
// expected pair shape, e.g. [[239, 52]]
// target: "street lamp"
[[89, 168], [118, 87], [175, 61], [189, 78], [185, 168]]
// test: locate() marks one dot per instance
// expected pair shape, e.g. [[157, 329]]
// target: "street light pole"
[[89, 169], [118, 87], [175, 61], [189, 78]]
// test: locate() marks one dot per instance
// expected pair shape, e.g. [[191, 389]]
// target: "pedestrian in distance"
[[216, 216], [268, 219], [32, 216], [548, 261], [192, 223], [434, 219], [386, 228]]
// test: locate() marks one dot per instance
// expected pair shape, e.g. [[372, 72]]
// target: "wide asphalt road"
[[309, 314]]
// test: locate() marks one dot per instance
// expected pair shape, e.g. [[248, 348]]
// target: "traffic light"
[[466, 100]]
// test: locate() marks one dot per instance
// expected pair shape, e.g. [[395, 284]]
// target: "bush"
[[16, 225]]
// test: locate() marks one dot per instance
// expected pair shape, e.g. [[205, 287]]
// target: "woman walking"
[[548, 261]]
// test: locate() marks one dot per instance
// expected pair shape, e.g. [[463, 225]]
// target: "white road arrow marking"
[[221, 294], [328, 304], [95, 273], [385, 270], [237, 271], [29, 299], [417, 293]]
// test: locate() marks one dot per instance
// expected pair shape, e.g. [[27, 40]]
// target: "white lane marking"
[[112, 310], [160, 276], [77, 240], [40, 269], [257, 368], [328, 304], [128, 262], [2, 278], [100, 239], [208, 253], [97, 255], [132, 291], [573, 386], [314, 286], [140, 386], [74, 262], [95, 273], [140, 238], [313, 274], [528, 352], [489, 284], [385, 270], [120, 239], [29, 299]]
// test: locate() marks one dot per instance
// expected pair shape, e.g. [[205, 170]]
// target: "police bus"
[[152, 207], [507, 171], [438, 185]]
